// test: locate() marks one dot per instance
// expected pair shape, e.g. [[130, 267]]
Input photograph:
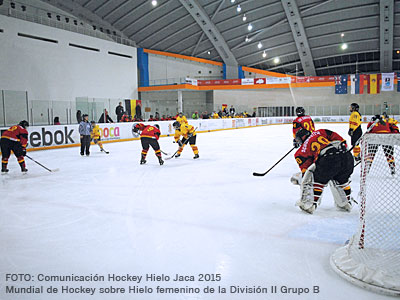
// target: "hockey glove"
[[23, 152], [296, 144], [350, 132]]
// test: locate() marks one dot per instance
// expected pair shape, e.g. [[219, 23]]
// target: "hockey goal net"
[[371, 258]]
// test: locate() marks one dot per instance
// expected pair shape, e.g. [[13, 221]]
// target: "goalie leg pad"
[[310, 196], [342, 195]]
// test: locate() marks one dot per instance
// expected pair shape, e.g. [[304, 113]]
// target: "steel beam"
[[386, 35], [203, 20], [299, 35]]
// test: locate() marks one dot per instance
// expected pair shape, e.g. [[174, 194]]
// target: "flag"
[[341, 84], [373, 83], [357, 84], [398, 83], [387, 82]]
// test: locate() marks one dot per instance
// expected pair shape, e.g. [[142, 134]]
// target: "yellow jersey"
[[95, 134], [184, 131], [181, 120], [355, 120]]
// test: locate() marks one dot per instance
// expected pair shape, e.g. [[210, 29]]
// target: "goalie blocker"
[[323, 157]]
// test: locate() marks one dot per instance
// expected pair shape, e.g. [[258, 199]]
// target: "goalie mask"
[[302, 135]]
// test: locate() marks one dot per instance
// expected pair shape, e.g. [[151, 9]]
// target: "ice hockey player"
[[188, 134], [302, 121], [355, 131], [181, 118], [14, 139], [323, 157], [149, 135], [85, 129], [392, 123], [380, 127], [96, 136]]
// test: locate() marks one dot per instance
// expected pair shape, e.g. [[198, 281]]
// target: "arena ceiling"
[[306, 35]]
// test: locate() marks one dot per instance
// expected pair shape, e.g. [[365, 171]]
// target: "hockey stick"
[[266, 172], [185, 143], [50, 170], [165, 153]]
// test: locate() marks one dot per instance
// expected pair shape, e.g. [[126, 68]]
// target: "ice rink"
[[106, 214]]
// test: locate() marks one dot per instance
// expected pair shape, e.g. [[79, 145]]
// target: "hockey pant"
[[6, 147], [387, 150], [354, 138], [85, 144], [98, 142], [192, 142], [146, 143], [336, 167]]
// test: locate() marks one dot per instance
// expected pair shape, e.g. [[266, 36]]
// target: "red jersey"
[[308, 153], [151, 132], [303, 122], [379, 127], [17, 133]]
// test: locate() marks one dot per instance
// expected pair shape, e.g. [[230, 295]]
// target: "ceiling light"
[[342, 35], [259, 45], [238, 8], [244, 18], [344, 46], [208, 52], [232, 1], [276, 60], [247, 39], [154, 2], [264, 54], [250, 27]]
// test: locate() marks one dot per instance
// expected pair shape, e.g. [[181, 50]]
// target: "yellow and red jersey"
[[95, 134], [308, 152], [151, 132], [303, 122], [393, 125], [16, 133], [181, 120], [185, 131], [379, 127], [125, 118], [355, 120]]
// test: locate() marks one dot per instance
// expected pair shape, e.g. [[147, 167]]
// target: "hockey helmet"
[[135, 128], [84, 116], [156, 125], [176, 125], [301, 135], [376, 117], [24, 124], [354, 107], [300, 111], [92, 122]]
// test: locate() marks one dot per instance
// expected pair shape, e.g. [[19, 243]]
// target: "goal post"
[[371, 258]]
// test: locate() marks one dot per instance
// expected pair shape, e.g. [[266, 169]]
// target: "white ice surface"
[[107, 214]]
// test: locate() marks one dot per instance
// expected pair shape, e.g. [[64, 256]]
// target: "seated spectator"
[[195, 115], [57, 121], [126, 117], [215, 115], [205, 115]]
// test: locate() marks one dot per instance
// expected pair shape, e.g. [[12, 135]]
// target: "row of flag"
[[375, 83]]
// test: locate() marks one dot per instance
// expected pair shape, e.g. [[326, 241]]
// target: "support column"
[[180, 102]]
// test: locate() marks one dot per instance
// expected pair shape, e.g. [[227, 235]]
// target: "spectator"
[[79, 116], [138, 111], [232, 111], [195, 115], [126, 117], [105, 118], [220, 114], [57, 121], [215, 115], [152, 118], [119, 111], [205, 115], [157, 116]]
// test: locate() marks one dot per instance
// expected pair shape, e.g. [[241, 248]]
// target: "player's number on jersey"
[[309, 126], [316, 146]]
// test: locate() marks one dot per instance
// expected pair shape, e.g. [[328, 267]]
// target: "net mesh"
[[372, 257]]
